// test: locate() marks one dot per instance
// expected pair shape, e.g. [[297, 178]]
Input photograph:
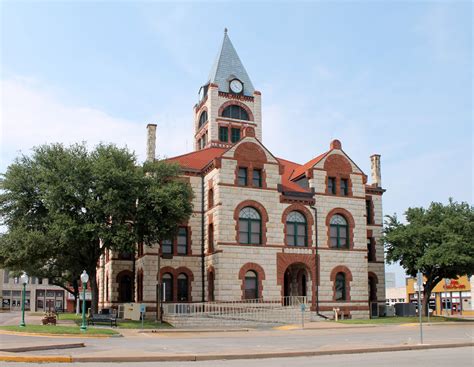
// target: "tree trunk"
[[94, 292], [426, 299]]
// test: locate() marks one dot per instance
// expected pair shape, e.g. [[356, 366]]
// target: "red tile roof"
[[291, 170], [303, 168], [288, 169], [199, 159]]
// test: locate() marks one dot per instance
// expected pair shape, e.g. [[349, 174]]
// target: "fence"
[[281, 310]]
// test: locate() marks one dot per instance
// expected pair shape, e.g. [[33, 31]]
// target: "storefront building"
[[449, 297], [39, 296]]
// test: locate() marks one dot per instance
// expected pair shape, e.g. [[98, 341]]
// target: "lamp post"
[[24, 281], [84, 280]]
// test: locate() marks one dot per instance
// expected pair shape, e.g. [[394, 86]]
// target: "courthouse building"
[[263, 227]]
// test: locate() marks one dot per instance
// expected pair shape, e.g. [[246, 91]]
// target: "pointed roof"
[[228, 66]]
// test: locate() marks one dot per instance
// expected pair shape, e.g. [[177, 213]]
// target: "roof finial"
[[225, 30]]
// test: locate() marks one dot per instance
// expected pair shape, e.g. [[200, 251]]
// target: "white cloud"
[[32, 115]]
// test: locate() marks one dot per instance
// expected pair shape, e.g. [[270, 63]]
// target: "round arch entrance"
[[296, 284]]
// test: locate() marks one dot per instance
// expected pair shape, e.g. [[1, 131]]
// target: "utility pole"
[[419, 279]]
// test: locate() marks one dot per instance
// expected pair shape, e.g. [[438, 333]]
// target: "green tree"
[[438, 241], [64, 206]]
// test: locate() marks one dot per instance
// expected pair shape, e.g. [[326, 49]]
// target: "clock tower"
[[228, 103]]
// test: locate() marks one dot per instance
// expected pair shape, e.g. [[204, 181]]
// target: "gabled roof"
[[197, 160], [308, 165], [288, 171], [228, 66]]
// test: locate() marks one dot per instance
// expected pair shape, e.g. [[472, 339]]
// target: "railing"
[[251, 310]]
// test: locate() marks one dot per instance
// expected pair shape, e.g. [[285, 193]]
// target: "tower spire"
[[228, 66]]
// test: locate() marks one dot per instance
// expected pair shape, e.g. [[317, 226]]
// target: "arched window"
[[250, 226], [167, 280], [340, 287], [183, 288], [203, 118], [235, 112], [339, 231], [251, 285], [296, 233]]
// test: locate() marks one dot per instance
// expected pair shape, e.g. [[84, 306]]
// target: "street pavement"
[[257, 341], [421, 358], [318, 336]]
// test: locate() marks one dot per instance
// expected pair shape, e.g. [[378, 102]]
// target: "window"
[[296, 230], [203, 118], [125, 255], [167, 247], [372, 289], [182, 287], [211, 286], [40, 280], [210, 246], [339, 231], [223, 133], [340, 287], [344, 187], [368, 210], [257, 178], [370, 249], [182, 241], [107, 288], [167, 287], [332, 185], [210, 198], [242, 178], [251, 285], [235, 112], [235, 135], [125, 288], [6, 276], [250, 226]]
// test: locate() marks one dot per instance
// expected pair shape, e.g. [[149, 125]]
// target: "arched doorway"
[[125, 286], [295, 284], [372, 289]]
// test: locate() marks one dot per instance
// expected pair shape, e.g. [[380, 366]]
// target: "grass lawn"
[[69, 316], [401, 320], [147, 324], [52, 329], [131, 324]]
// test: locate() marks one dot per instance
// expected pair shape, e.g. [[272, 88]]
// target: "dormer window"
[[235, 112]]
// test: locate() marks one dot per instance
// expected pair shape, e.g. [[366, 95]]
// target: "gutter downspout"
[[316, 260], [202, 239]]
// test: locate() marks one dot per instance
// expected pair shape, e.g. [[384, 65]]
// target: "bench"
[[102, 319]]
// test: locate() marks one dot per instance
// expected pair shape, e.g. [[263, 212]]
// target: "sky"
[[386, 77]]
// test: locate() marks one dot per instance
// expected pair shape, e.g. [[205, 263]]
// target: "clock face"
[[236, 86]]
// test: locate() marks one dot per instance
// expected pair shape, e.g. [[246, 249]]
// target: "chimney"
[[151, 142], [375, 169]]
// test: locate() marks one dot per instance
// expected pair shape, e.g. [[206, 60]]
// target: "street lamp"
[[84, 280], [24, 281]]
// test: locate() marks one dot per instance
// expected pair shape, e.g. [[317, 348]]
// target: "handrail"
[[250, 309]]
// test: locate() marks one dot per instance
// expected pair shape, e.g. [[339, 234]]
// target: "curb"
[[42, 347], [36, 359], [213, 357], [5, 332], [177, 331]]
